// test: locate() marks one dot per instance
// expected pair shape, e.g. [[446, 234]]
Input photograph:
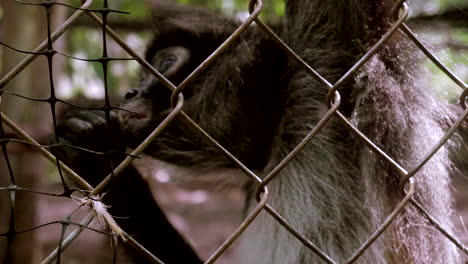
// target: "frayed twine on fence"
[[106, 221]]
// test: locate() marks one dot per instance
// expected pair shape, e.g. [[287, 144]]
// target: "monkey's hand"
[[91, 145]]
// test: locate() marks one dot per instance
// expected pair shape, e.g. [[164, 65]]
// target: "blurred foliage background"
[[441, 23]]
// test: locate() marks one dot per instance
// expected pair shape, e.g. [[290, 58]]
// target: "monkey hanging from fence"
[[259, 103]]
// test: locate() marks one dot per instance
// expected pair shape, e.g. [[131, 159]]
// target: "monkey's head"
[[234, 99]]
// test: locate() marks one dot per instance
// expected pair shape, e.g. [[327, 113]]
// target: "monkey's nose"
[[131, 94]]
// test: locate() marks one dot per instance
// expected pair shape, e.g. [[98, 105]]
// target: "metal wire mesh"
[[47, 50]]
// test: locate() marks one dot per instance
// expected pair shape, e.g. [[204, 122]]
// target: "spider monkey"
[[259, 103]]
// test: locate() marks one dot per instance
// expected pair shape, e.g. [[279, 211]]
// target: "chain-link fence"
[[46, 49]]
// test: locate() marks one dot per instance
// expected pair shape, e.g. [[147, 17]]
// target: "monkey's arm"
[[335, 25], [141, 217], [129, 196]]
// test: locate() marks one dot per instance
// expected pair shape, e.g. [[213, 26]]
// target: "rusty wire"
[[177, 100]]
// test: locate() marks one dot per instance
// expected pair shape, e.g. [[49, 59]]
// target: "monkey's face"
[[235, 99], [150, 102]]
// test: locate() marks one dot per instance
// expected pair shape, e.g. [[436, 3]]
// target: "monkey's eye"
[[170, 61], [166, 65]]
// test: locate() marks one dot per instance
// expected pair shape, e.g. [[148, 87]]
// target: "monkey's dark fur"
[[259, 104]]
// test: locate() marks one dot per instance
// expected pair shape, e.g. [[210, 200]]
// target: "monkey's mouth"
[[136, 115], [134, 112], [126, 117]]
